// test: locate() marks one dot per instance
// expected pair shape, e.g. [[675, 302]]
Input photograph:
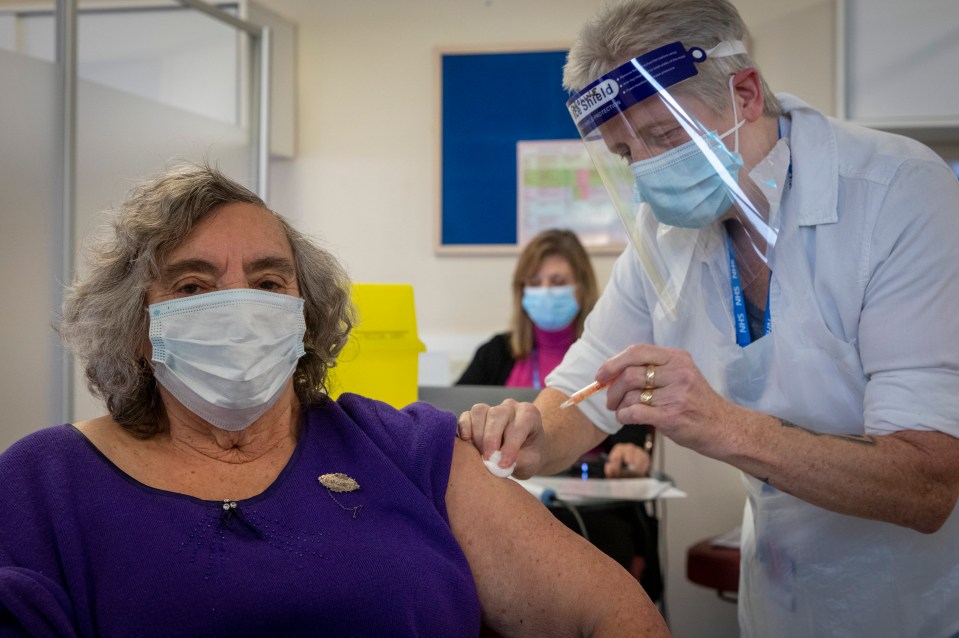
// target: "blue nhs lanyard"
[[743, 338]]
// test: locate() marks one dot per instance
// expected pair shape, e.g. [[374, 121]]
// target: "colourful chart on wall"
[[558, 187]]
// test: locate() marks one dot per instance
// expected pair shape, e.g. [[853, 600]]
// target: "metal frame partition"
[[66, 59]]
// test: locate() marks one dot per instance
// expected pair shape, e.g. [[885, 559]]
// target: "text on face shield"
[[591, 100]]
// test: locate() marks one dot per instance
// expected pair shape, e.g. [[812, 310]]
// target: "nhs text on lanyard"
[[743, 338]]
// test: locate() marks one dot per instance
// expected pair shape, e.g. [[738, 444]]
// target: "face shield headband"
[[669, 176]]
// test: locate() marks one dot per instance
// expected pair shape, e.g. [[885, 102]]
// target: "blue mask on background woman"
[[550, 307]]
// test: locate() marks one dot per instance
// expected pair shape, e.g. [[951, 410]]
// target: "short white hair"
[[623, 31]]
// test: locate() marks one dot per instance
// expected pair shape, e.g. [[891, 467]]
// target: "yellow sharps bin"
[[381, 358]]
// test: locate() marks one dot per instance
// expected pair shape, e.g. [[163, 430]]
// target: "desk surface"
[[460, 398], [575, 489]]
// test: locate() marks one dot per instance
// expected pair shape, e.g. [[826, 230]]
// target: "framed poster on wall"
[[510, 159]]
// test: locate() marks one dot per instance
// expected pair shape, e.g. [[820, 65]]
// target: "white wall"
[[364, 180], [365, 175], [367, 138]]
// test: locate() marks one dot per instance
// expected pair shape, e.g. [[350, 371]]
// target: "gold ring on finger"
[[646, 397], [650, 377]]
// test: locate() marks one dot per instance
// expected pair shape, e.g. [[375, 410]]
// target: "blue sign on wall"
[[489, 102]]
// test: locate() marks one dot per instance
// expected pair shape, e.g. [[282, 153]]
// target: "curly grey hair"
[[624, 31], [104, 320]]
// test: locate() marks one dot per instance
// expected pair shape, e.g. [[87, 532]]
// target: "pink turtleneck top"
[[549, 348]]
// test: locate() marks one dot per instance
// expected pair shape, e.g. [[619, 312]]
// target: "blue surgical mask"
[[682, 186], [551, 307], [227, 355]]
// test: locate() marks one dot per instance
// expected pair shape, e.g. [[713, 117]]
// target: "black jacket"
[[491, 363]]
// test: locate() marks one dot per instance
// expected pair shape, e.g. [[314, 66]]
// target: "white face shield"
[[671, 178]]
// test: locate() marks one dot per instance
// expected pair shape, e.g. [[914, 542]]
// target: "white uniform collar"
[[815, 161], [771, 176]]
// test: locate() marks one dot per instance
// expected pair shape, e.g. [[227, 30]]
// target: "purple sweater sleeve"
[[32, 605]]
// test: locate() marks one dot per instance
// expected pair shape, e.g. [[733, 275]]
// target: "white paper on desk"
[[628, 489]]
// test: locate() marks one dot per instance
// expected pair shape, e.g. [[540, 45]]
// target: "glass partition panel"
[[29, 255], [167, 54], [131, 124]]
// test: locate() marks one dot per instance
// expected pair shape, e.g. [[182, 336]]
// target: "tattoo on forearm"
[[862, 439]]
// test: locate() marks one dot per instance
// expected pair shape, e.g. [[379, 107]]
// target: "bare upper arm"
[[535, 577]]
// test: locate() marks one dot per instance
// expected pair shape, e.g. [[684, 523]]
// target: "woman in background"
[[554, 289]]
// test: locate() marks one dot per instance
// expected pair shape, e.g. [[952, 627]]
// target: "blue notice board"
[[489, 101]]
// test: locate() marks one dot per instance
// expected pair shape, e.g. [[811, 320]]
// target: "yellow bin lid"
[[380, 359], [387, 309]]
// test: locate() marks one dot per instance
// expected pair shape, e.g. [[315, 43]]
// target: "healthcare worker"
[[788, 305]]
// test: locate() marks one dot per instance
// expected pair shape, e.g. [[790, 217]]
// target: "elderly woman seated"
[[225, 494]]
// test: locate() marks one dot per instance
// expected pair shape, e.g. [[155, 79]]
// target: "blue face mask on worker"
[[683, 187], [550, 307], [227, 355]]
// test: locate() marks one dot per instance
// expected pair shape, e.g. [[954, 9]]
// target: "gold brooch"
[[338, 482]]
